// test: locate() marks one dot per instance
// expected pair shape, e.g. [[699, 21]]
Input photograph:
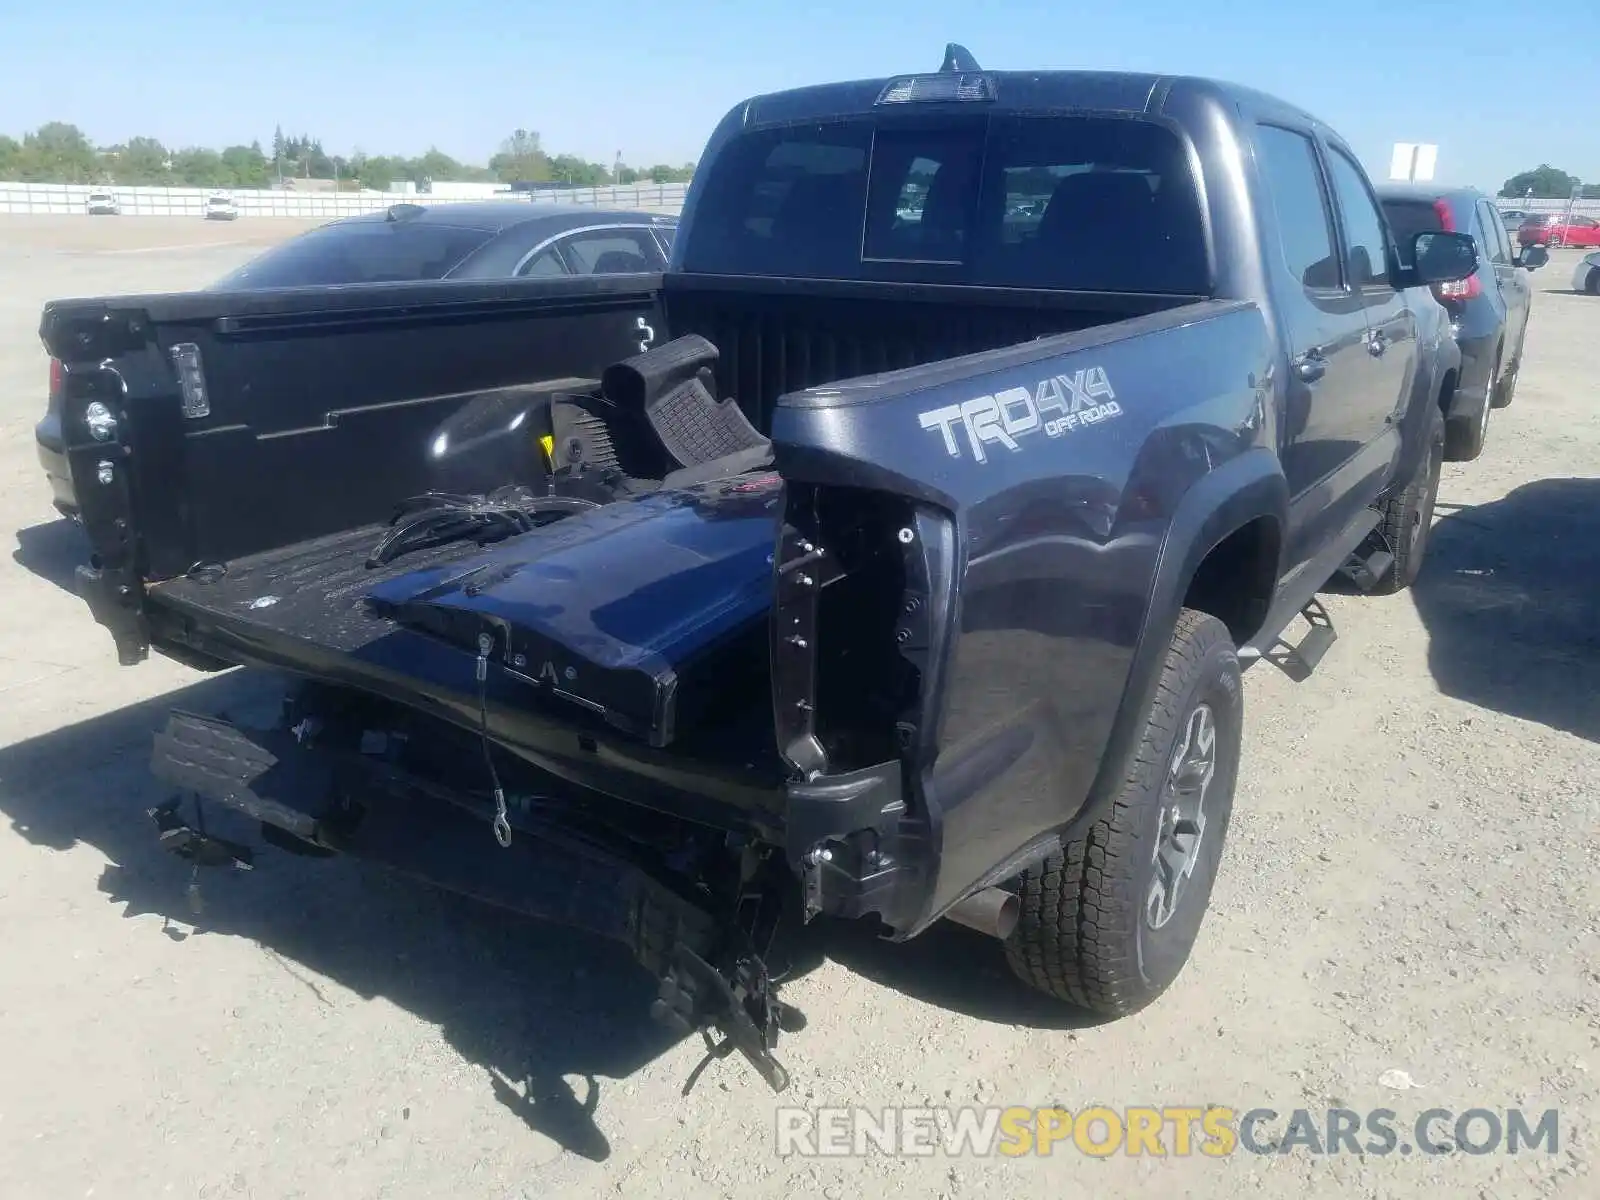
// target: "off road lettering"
[[1057, 406]]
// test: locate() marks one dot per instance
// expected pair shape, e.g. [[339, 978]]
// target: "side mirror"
[[1533, 257], [1440, 257]]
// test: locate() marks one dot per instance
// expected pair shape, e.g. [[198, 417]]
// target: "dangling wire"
[[502, 824], [438, 517]]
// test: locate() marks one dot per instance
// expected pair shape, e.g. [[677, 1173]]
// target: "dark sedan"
[[1488, 311], [490, 239]]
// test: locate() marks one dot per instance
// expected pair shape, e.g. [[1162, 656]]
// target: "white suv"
[[220, 207], [103, 204]]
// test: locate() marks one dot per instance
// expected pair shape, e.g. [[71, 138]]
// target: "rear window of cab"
[[1062, 202]]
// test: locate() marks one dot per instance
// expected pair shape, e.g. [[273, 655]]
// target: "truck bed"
[[312, 591]]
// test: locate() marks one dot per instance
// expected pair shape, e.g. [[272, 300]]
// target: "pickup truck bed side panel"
[[331, 388], [1063, 464]]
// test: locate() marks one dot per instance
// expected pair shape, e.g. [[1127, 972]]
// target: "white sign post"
[[1413, 162]]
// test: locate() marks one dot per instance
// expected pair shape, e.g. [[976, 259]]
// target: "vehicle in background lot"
[[1512, 218], [220, 207], [1488, 310], [409, 243], [1556, 230], [863, 564], [1586, 277], [103, 204], [475, 239]]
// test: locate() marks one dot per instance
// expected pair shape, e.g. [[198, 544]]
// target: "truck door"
[[1325, 327], [1387, 370]]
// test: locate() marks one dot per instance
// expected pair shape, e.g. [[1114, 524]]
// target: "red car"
[[1559, 231]]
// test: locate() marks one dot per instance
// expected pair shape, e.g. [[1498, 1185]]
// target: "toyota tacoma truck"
[[893, 556]]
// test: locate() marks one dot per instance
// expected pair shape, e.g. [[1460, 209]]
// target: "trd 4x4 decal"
[[1055, 406]]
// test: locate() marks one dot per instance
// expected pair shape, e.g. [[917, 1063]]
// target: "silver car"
[[1586, 277]]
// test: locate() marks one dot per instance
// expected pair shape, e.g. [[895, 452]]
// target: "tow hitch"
[[194, 845], [738, 1000]]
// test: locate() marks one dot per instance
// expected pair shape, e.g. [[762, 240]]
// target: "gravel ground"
[[1409, 888]]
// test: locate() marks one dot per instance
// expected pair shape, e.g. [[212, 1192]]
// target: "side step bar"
[[1363, 555]]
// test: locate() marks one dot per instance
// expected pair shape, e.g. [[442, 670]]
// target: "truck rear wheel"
[[1506, 389], [1408, 515], [1109, 920]]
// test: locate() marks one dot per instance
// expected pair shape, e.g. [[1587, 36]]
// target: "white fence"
[[66, 199], [1583, 208], [72, 198]]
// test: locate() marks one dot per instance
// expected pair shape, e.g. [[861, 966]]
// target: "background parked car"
[[1512, 218], [1587, 276], [489, 239], [220, 207], [1488, 311], [1556, 230], [103, 204]]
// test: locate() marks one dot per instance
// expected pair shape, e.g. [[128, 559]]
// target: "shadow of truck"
[[532, 1004], [1510, 596]]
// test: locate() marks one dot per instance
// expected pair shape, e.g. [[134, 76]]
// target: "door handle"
[[1311, 366]]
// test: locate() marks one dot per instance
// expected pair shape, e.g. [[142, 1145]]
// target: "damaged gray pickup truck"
[[892, 557]]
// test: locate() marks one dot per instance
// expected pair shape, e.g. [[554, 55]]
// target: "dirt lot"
[[1410, 886]]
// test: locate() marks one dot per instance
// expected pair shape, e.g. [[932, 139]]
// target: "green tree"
[[58, 153], [246, 166], [378, 173], [199, 167], [435, 164], [142, 161], [521, 159], [1545, 181], [569, 168]]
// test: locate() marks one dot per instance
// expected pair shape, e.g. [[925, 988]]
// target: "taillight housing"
[[1460, 289], [53, 397]]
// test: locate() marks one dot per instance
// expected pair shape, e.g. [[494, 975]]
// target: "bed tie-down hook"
[[502, 821]]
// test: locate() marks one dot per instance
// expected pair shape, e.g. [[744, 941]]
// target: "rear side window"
[[611, 252], [1493, 242], [1368, 262], [1087, 203], [359, 252], [1288, 162], [1408, 218]]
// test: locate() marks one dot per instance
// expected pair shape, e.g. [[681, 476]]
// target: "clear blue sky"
[[651, 80]]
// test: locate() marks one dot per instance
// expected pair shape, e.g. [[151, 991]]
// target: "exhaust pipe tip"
[[992, 912]]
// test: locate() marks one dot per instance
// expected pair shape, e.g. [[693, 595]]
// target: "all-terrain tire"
[[1505, 391], [1091, 930], [1408, 515], [1465, 437]]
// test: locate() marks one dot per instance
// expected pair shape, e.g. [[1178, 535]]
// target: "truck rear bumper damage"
[[705, 955]]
